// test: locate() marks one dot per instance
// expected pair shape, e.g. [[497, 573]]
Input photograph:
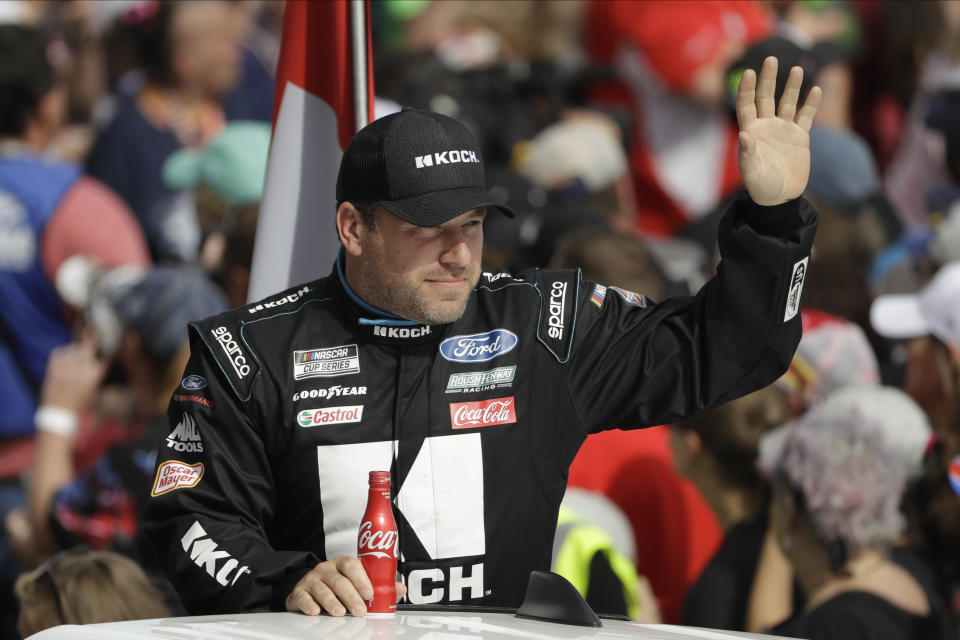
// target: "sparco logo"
[[401, 332], [483, 413], [232, 349], [792, 306], [203, 552], [380, 544], [270, 304], [446, 157], [326, 363], [478, 347], [330, 415], [330, 392], [558, 299], [427, 586], [185, 437]]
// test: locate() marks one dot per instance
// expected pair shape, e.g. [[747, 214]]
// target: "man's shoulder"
[[227, 336]]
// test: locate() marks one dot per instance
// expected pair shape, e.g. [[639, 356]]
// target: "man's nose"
[[456, 250]]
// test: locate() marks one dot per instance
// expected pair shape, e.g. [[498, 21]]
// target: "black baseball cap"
[[423, 167]]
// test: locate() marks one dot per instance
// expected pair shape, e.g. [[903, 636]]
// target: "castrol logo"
[[380, 544], [483, 413]]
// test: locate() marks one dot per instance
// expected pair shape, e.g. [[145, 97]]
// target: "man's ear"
[[351, 229]]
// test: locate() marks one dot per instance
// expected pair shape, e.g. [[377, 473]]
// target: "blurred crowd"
[[133, 147]]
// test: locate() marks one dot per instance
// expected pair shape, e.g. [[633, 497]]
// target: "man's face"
[[424, 274]]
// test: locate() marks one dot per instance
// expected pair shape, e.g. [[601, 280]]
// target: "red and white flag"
[[315, 114]]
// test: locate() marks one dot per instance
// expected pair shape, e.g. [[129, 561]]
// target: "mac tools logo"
[[185, 436], [446, 157], [478, 347]]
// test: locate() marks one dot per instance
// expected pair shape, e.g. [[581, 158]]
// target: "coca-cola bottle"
[[378, 545]]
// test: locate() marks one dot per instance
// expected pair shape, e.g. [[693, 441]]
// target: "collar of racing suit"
[[378, 325]]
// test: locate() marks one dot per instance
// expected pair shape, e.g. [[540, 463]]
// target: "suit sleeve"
[[637, 364], [211, 504]]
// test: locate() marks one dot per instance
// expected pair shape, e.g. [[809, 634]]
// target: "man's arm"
[[212, 500], [636, 364]]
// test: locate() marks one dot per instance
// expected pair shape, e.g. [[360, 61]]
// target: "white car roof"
[[406, 625]]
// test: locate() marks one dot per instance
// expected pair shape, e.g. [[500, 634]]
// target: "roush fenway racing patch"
[[482, 413], [174, 474]]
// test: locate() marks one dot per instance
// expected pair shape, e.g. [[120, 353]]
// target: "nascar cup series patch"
[[953, 472]]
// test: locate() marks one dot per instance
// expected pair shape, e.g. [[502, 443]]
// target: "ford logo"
[[193, 383], [478, 347]]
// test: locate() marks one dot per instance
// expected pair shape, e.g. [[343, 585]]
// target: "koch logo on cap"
[[422, 167]]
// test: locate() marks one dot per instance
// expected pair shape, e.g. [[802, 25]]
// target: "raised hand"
[[774, 147]]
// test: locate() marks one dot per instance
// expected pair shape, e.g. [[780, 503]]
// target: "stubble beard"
[[389, 291]]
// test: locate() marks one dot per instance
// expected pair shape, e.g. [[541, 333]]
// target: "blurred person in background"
[[217, 185], [672, 60], [49, 211], [929, 322], [81, 586], [838, 481], [920, 165], [141, 323], [191, 58], [718, 452]]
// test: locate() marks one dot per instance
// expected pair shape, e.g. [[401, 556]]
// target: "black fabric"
[[423, 167], [859, 615], [605, 589], [478, 419], [719, 597], [928, 571]]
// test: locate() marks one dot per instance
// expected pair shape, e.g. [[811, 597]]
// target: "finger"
[[809, 109], [302, 602], [401, 591], [766, 87], [746, 93], [324, 595], [346, 592], [791, 93], [353, 569]]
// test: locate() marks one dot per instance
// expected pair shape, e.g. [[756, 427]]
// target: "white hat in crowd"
[[934, 310]]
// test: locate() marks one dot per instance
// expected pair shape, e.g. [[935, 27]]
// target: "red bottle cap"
[[379, 477]]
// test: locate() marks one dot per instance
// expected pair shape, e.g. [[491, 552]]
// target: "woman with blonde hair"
[[80, 586]]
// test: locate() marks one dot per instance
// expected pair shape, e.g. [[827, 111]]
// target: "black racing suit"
[[287, 404]]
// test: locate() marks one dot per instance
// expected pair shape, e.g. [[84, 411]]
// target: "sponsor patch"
[[334, 391], [203, 552], [479, 347], [598, 295], [185, 436], [270, 304], [558, 300], [179, 397], [174, 474], [493, 277], [480, 380], [446, 157], [799, 273], [953, 472], [630, 297], [330, 415], [233, 351], [401, 332], [326, 363], [482, 413], [193, 383]]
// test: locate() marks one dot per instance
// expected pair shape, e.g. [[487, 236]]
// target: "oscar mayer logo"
[[482, 413], [174, 474]]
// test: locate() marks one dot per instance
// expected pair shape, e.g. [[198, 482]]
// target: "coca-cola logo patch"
[[483, 413]]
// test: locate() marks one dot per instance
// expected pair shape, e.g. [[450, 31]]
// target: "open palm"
[[774, 151]]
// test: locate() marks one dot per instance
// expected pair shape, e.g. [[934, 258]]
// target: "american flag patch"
[[599, 293]]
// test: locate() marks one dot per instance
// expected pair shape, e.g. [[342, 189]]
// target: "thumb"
[[746, 144], [401, 590]]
